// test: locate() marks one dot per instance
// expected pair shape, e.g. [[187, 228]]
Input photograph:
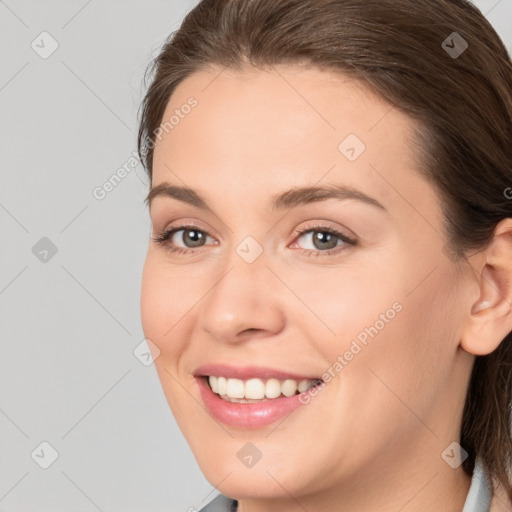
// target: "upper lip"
[[247, 372]]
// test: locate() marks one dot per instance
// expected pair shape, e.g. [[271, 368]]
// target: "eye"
[[324, 240], [192, 237]]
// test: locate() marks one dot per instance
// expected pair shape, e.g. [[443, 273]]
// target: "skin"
[[372, 439]]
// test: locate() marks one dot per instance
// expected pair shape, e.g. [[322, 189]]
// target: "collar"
[[479, 494]]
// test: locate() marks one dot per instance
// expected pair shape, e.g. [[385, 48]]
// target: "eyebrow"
[[290, 199]]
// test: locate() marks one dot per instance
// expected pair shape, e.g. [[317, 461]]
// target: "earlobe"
[[490, 318]]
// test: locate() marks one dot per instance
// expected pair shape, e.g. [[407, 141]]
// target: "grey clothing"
[[220, 504]]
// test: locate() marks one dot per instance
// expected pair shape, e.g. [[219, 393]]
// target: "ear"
[[490, 318]]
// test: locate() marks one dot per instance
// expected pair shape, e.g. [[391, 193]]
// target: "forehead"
[[287, 125], [280, 105]]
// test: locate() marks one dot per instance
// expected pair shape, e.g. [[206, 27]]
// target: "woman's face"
[[374, 311]]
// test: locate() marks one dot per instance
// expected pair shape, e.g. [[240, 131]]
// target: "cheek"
[[152, 300], [407, 361], [162, 305], [396, 347], [167, 294], [343, 304]]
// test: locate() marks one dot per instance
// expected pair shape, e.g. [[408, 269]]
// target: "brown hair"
[[462, 105]]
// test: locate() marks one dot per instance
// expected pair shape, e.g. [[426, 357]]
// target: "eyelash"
[[163, 239]]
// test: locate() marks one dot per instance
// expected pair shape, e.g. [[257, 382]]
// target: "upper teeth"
[[256, 388]]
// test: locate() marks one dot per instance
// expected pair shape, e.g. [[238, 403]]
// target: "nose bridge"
[[241, 297], [244, 274]]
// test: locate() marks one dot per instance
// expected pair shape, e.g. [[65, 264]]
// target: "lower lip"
[[247, 415]]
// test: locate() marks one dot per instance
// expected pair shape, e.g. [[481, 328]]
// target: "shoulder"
[[221, 504]]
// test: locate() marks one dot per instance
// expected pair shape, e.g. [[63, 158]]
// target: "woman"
[[329, 280]]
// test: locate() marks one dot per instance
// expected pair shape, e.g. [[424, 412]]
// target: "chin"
[[265, 479], [245, 484]]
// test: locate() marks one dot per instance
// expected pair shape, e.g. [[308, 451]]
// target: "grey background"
[[70, 321]]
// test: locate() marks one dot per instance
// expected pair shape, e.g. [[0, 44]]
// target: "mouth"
[[253, 397], [256, 390]]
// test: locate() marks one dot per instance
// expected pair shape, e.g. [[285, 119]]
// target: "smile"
[[252, 397], [255, 389]]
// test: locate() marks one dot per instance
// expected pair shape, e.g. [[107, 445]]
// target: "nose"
[[245, 301]]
